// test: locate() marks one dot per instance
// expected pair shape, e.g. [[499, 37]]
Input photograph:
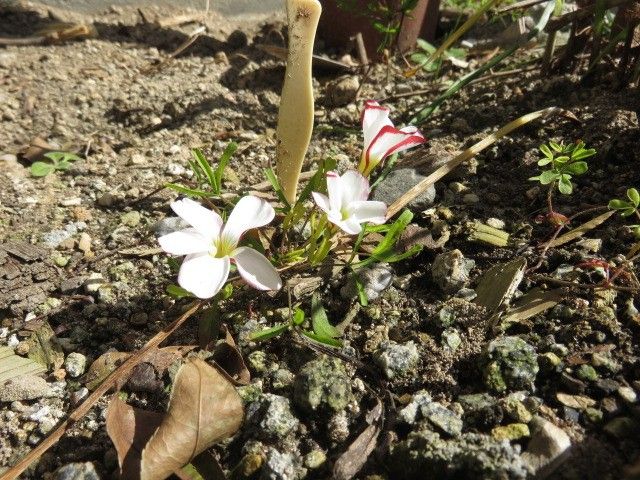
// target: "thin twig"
[[566, 283], [118, 374]]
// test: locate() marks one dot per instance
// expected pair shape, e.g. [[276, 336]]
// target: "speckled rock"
[[75, 364], [396, 359], [471, 456], [510, 363], [282, 466], [77, 471], [450, 270], [374, 281], [398, 182], [322, 384], [271, 414], [24, 387]]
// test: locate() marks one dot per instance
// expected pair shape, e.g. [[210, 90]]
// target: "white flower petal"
[[334, 189], [369, 211], [250, 212], [391, 140], [256, 270], [350, 226], [205, 221], [322, 201], [203, 275], [354, 187], [374, 117], [184, 242]]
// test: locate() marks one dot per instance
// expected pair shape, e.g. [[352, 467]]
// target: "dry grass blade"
[[204, 409], [12, 365], [581, 230], [470, 152]]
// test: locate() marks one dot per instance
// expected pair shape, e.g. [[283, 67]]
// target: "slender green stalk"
[[425, 113]]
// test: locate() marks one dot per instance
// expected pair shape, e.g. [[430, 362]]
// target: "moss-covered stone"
[[510, 363], [513, 431], [322, 384]]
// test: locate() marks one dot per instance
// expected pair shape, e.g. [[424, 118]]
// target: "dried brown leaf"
[[204, 409], [579, 402], [228, 357], [499, 283], [351, 461], [130, 429], [581, 230]]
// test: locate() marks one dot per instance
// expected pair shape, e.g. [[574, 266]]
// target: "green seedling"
[[627, 207], [425, 52], [57, 161], [562, 162]]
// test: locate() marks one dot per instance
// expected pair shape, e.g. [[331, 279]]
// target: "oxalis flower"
[[381, 138], [347, 206], [210, 246]]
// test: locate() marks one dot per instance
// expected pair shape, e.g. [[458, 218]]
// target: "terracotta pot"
[[337, 26]]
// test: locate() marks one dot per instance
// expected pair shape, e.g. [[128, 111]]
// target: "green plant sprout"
[[563, 161], [208, 180], [627, 207], [425, 52], [57, 161]]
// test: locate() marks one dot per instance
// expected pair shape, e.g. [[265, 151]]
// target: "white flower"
[[210, 247], [381, 138], [347, 205]]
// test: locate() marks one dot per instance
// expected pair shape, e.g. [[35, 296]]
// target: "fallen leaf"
[[36, 150], [579, 402], [499, 283], [415, 235], [228, 357], [581, 230], [204, 409], [130, 429], [532, 303], [140, 251], [12, 365], [44, 347], [354, 458]]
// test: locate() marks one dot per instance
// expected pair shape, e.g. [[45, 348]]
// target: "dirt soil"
[[78, 252]]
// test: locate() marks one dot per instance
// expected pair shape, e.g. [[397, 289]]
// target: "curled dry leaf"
[[228, 357], [204, 409]]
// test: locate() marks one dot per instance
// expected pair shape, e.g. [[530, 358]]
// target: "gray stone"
[[322, 384], [282, 466], [424, 454], [399, 181], [75, 364], [93, 282], [510, 363], [621, 428], [24, 387], [77, 471], [410, 413], [547, 444], [628, 395], [397, 360], [272, 415], [443, 418], [450, 270], [131, 219], [481, 410], [374, 281], [451, 339], [342, 91]]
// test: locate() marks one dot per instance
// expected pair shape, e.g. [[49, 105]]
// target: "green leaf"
[[298, 316], [548, 177], [202, 162], [62, 156], [555, 146], [319, 320], [273, 179], [583, 154], [222, 164], [41, 169], [191, 192], [564, 185], [390, 239], [321, 339], [546, 151], [178, 292], [426, 46], [396, 257], [634, 196], [576, 168], [209, 326], [627, 212], [362, 295], [561, 159], [617, 204], [544, 161], [268, 333]]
